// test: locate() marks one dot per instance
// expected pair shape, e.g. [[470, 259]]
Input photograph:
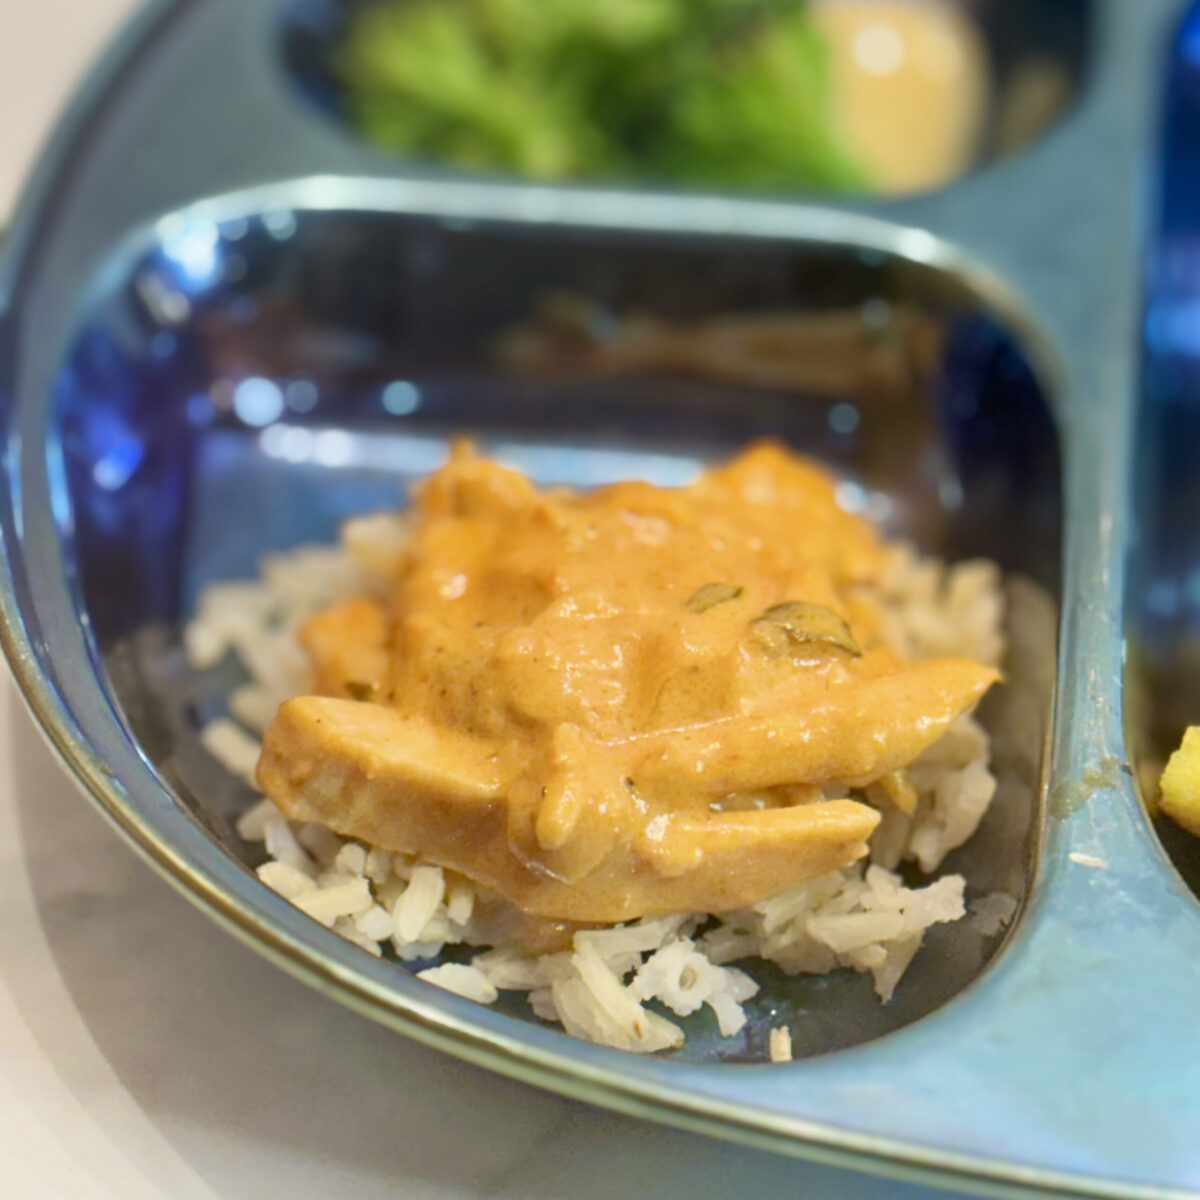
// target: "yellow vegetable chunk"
[[1181, 783]]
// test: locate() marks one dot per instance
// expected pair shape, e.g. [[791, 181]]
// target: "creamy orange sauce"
[[632, 701], [910, 87]]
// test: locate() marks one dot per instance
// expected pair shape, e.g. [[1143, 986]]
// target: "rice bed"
[[610, 985]]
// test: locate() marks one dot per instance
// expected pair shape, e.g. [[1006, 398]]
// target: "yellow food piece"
[[1180, 783], [558, 701], [911, 84]]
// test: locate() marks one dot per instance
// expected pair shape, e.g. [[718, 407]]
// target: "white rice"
[[860, 918], [780, 1044], [462, 979]]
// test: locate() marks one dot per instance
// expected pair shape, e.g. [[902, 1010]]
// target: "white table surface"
[[145, 1054]]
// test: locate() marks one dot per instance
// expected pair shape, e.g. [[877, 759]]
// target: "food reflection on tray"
[[874, 351]]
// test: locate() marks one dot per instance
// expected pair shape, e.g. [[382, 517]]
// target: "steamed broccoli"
[[719, 92]]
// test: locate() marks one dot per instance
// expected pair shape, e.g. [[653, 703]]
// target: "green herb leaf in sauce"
[[802, 623], [357, 690], [710, 595]]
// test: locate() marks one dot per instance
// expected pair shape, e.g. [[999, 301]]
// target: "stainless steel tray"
[[1062, 1060]]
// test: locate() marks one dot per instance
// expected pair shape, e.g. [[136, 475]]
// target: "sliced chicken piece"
[[343, 763], [368, 772], [854, 734]]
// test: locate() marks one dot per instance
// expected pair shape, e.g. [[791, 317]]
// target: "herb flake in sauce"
[[710, 595], [803, 624]]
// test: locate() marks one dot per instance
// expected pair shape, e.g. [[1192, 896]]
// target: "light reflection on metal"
[[301, 395], [165, 303], [116, 468], [334, 448], [292, 443], [280, 224], [844, 418], [402, 454], [258, 401], [950, 493], [851, 497], [191, 243], [587, 467], [415, 454], [401, 398]]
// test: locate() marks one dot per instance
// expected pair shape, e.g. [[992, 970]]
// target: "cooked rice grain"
[[780, 1044]]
